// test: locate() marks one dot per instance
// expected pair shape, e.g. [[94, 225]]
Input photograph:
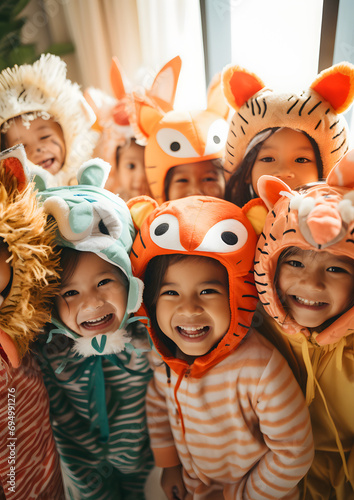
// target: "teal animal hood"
[[92, 219]]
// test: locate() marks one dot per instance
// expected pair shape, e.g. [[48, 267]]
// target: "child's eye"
[[45, 137], [181, 179], [302, 160], [130, 166], [209, 179], [267, 159], [104, 282], [337, 269], [295, 263], [169, 292], [70, 293], [208, 291]]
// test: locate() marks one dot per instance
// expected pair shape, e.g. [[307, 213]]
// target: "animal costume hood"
[[319, 218], [178, 137], [92, 219], [26, 308], [210, 227], [41, 90], [316, 111]]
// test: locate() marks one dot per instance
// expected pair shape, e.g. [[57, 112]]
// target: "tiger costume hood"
[[316, 111], [209, 227], [26, 307], [320, 218]]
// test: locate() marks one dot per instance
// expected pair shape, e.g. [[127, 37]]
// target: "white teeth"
[[308, 302], [189, 331], [191, 328], [93, 321]]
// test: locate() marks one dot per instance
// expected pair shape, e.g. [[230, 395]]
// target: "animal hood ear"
[[239, 85], [163, 89], [146, 117], [336, 85], [216, 99], [14, 160], [256, 212], [271, 189], [94, 172], [140, 208], [342, 174], [116, 76]]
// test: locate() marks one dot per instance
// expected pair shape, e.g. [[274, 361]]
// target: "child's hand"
[[172, 483]]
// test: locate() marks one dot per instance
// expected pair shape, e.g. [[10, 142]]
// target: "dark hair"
[[238, 187], [218, 163]]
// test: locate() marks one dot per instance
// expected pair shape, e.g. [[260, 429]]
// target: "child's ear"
[[140, 207], [10, 348], [336, 85], [271, 189], [342, 174], [256, 212], [14, 160], [239, 85]]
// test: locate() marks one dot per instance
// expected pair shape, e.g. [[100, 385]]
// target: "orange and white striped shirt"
[[241, 431]]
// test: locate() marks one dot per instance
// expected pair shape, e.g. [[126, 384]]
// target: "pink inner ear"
[[270, 188], [243, 86]]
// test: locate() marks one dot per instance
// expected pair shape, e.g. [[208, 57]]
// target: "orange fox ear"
[[140, 207], [239, 85], [271, 189], [10, 349], [163, 89], [117, 79], [336, 85], [216, 99], [342, 174]]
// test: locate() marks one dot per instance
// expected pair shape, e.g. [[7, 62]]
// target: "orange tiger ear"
[[140, 207], [336, 85], [116, 78], [271, 189], [342, 174], [14, 160], [256, 212], [239, 85]]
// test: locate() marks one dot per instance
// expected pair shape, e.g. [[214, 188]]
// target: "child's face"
[[43, 142], [94, 298], [193, 305], [288, 155], [200, 178], [316, 286], [129, 178]]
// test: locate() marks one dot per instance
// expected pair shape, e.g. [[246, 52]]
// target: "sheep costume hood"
[[316, 111], [26, 308], [41, 90], [92, 219], [209, 227]]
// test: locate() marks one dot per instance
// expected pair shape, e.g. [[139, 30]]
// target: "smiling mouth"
[[308, 303], [99, 322], [46, 163], [193, 332]]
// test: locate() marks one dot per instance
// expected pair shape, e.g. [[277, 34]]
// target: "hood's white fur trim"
[[115, 343], [43, 87]]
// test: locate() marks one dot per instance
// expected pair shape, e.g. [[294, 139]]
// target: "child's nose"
[[314, 280], [190, 306], [92, 301]]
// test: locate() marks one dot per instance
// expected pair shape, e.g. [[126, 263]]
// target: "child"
[[184, 150], [29, 462], [117, 144], [305, 278], [96, 381], [295, 137], [46, 112], [226, 417]]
